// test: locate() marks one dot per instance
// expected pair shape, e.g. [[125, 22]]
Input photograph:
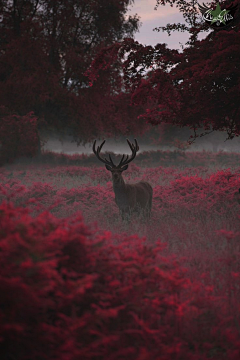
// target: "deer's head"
[[117, 170]]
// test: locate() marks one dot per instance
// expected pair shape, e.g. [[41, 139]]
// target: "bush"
[[70, 293]]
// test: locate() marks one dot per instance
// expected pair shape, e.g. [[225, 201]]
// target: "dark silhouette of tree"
[[198, 87], [45, 50]]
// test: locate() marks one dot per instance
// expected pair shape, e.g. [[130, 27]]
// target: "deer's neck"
[[119, 185]]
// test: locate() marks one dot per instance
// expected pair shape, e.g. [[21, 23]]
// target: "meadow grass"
[[195, 209]]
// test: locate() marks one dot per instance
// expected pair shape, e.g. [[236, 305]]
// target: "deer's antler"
[[97, 153], [134, 150]]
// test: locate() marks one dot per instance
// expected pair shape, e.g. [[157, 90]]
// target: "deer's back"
[[147, 186], [140, 192]]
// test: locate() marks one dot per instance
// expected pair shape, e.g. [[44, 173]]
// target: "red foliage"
[[70, 293], [18, 137], [197, 87], [45, 50]]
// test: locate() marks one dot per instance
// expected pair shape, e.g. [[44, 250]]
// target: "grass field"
[[195, 213]]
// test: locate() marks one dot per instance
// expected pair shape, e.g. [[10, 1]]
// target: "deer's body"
[[130, 198], [133, 198]]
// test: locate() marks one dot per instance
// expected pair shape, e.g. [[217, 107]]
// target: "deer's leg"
[[149, 207], [147, 211], [125, 215]]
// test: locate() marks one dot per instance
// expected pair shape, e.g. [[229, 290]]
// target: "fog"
[[213, 142]]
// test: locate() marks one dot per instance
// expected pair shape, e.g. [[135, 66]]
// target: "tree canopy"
[[45, 50], [197, 87]]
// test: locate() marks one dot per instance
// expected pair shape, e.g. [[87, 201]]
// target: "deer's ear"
[[108, 167], [124, 167]]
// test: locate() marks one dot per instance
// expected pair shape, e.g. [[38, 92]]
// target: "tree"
[[197, 87], [45, 49], [18, 136]]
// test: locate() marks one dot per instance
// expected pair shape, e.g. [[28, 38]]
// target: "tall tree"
[[46, 47], [198, 87]]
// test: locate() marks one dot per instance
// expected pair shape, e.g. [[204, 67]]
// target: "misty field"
[[179, 275]]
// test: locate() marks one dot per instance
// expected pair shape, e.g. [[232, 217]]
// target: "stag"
[[130, 198]]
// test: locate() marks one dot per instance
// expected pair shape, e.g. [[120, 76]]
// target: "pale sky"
[[151, 18]]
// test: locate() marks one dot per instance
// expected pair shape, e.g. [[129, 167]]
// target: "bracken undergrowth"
[[77, 283]]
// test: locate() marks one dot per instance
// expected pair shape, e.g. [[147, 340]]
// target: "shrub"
[[70, 293]]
